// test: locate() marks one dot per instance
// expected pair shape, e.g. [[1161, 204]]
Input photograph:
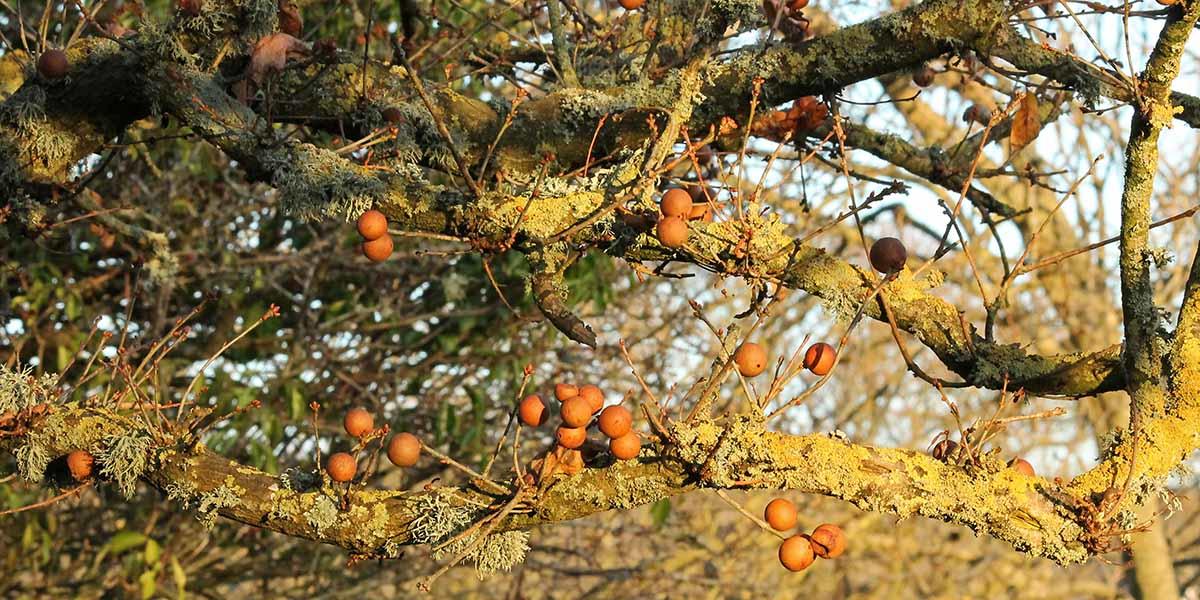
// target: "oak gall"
[[943, 450], [358, 422], [52, 64], [780, 514], [626, 447], [378, 250], [372, 225], [570, 437], [924, 75], [341, 467], [676, 202], [828, 541], [533, 411], [576, 412], [563, 391], [796, 553], [819, 358], [594, 397], [672, 232], [404, 449], [393, 115], [80, 463], [888, 255], [1022, 466], [615, 421], [751, 359]]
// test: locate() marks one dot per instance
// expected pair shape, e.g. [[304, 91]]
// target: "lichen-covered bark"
[[731, 454]]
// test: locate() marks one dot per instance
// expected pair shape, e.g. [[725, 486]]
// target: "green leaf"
[[152, 553], [659, 512], [180, 577], [63, 356], [296, 399], [124, 541], [148, 581]]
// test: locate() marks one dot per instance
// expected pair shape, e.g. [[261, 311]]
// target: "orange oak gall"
[[672, 232], [594, 397], [828, 541], [570, 437], [780, 514], [888, 255], [80, 463], [1021, 466], [819, 358], [533, 411], [563, 391], [341, 467], [795, 553], [372, 225], [358, 422], [626, 447], [631, 4], [576, 412], [404, 449], [615, 421], [379, 249], [676, 202], [52, 64], [751, 359]]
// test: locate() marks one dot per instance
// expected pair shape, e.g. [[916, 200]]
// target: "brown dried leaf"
[[1026, 123], [271, 53], [560, 460], [290, 21]]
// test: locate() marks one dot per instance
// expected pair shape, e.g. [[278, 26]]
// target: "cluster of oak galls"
[[578, 405], [404, 449], [799, 551]]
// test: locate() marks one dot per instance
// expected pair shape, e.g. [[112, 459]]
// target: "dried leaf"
[[560, 460], [290, 21], [1026, 123], [271, 53]]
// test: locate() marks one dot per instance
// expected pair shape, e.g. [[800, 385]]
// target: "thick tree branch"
[[1163, 430], [733, 454]]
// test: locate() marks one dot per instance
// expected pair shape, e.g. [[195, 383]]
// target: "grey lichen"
[[182, 491], [315, 182], [323, 514], [125, 457], [223, 496], [497, 552], [20, 389], [435, 518]]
